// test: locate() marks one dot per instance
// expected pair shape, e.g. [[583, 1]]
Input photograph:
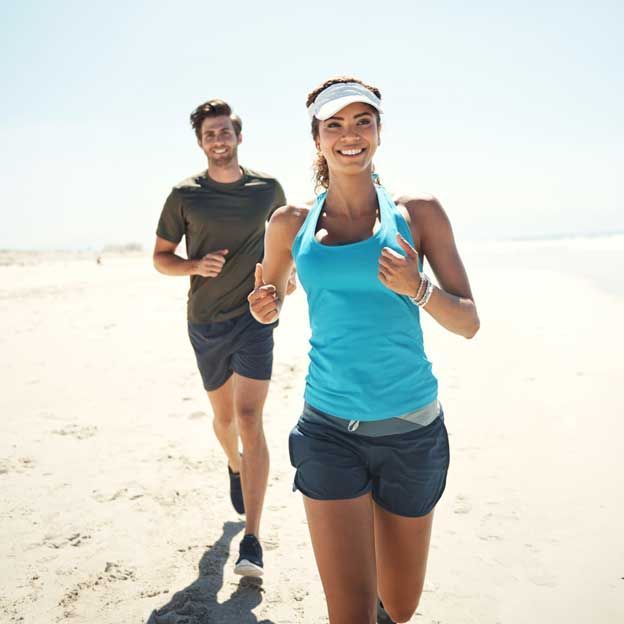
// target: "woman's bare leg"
[[401, 547], [344, 548]]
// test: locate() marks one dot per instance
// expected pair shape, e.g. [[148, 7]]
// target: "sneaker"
[[250, 557], [236, 491], [382, 616]]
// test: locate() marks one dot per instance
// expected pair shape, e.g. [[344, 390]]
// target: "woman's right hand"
[[264, 303]]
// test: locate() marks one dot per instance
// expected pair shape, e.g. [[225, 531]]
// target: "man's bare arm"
[[166, 261]]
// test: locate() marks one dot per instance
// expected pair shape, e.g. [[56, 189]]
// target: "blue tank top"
[[367, 359]]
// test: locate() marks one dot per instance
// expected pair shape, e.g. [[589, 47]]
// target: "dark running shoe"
[[382, 616], [250, 557], [236, 491]]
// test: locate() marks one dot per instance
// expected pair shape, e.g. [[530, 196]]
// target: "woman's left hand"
[[400, 273]]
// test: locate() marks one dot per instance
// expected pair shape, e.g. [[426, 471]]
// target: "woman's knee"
[[402, 611], [359, 615]]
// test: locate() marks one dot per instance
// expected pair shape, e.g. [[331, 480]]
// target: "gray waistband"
[[390, 426]]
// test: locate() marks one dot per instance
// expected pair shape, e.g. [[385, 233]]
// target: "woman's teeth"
[[351, 152]]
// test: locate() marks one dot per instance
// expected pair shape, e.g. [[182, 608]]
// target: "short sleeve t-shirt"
[[212, 216]]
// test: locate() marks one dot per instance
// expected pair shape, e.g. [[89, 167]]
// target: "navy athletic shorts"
[[405, 472], [241, 345]]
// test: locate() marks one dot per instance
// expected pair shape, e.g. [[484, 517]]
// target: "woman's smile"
[[352, 151]]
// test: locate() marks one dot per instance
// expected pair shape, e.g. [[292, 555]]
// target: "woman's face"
[[349, 139]]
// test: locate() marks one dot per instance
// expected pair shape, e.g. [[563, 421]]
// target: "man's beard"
[[224, 159]]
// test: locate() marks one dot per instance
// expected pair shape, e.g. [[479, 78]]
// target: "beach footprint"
[[56, 542], [116, 572], [77, 432], [462, 505], [19, 465], [5, 466], [113, 572], [271, 542], [543, 579], [131, 492]]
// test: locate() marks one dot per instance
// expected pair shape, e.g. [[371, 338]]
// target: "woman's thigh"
[[401, 548], [344, 548]]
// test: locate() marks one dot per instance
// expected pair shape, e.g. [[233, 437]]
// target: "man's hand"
[[263, 302], [211, 264], [400, 273]]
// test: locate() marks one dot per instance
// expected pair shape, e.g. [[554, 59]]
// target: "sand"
[[113, 489]]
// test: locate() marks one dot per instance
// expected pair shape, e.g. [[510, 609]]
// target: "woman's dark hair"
[[321, 170], [214, 108]]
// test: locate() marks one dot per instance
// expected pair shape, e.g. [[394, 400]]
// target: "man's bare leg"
[[224, 422], [249, 398]]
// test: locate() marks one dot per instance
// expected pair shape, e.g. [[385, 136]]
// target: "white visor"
[[336, 97]]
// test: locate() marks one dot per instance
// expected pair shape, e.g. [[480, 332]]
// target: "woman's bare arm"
[[451, 304], [265, 301]]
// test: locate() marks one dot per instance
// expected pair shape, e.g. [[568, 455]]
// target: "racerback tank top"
[[367, 358]]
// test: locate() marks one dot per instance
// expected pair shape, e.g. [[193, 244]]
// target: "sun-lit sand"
[[113, 489]]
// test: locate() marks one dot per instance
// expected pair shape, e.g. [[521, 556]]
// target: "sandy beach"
[[114, 503]]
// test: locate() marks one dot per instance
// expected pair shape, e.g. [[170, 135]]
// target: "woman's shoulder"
[[287, 221], [421, 209], [290, 215], [418, 204]]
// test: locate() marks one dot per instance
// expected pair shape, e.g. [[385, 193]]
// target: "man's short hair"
[[214, 108]]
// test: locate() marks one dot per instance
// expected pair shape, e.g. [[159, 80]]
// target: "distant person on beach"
[[371, 448], [222, 213]]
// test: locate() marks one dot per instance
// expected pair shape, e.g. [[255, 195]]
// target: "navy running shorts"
[[405, 472], [241, 345]]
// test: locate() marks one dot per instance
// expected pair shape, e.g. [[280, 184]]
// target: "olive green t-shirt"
[[211, 216]]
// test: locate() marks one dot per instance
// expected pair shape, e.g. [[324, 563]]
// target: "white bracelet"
[[425, 298], [422, 290]]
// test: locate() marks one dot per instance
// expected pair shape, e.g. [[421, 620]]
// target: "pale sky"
[[510, 113]]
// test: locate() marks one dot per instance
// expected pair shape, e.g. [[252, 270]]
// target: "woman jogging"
[[370, 449]]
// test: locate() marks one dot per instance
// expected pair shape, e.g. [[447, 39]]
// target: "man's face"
[[218, 140]]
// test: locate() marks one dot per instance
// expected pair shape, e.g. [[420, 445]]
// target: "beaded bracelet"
[[425, 298], [421, 288], [421, 299]]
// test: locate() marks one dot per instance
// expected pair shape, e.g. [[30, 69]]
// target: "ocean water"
[[599, 259]]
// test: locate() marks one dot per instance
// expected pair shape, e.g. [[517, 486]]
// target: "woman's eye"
[[364, 122]]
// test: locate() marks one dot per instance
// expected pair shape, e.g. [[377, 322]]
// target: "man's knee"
[[249, 420], [223, 418]]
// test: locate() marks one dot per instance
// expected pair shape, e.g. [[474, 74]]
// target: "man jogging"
[[222, 213]]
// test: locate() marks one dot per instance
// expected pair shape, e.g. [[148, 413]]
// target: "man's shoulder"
[[190, 183], [259, 177]]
